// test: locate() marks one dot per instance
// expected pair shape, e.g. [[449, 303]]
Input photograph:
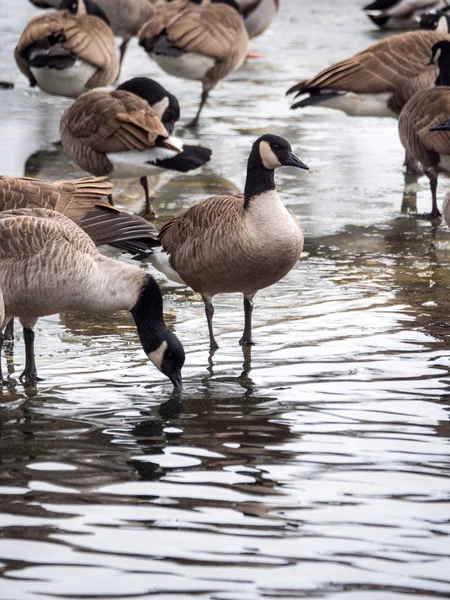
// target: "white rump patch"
[[268, 156], [69, 82], [157, 355]]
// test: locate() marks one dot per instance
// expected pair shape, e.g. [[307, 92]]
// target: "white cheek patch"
[[268, 157], [436, 56], [442, 25], [161, 106], [157, 355]]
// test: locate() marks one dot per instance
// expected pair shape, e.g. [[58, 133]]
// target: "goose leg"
[[148, 205], [433, 177], [29, 376], [204, 98], [246, 339], [122, 50], [2, 339], [9, 332], [209, 311]]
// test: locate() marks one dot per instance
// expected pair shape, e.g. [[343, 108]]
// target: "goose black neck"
[[444, 69], [259, 179], [148, 315]]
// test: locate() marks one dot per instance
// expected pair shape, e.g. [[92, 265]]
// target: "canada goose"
[[377, 81], [258, 15], [231, 244], [66, 54], [422, 116], [436, 20], [49, 265], [118, 133], [204, 40], [84, 201], [400, 14], [125, 17]]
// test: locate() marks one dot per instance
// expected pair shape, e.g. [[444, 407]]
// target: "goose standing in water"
[[125, 17], [118, 133], [236, 244], [49, 265], [203, 40], [66, 54], [376, 82], [422, 117]]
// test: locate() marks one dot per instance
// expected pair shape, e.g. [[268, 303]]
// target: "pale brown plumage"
[[88, 37], [426, 109], [212, 31], [385, 67]]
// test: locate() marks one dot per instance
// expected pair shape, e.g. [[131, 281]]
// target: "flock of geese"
[[49, 232]]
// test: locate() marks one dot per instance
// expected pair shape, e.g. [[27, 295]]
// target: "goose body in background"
[[377, 81], [398, 15], [258, 15], [194, 40], [118, 133], [125, 17], [422, 132], [236, 244], [436, 20], [67, 54], [49, 265]]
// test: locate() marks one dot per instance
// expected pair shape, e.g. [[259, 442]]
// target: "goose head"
[[162, 102], [161, 345], [272, 151], [440, 56], [79, 7], [436, 20]]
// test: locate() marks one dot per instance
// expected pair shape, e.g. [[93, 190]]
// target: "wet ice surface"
[[316, 467]]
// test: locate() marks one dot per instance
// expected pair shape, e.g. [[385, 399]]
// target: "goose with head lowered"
[[125, 133], [236, 244], [395, 15], [49, 265], [203, 40], [125, 17], [422, 133], [67, 53], [376, 82]]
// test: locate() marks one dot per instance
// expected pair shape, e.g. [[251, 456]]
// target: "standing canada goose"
[[204, 40], [422, 116], [125, 17], [117, 133], [436, 20], [400, 14], [258, 15], [377, 81], [236, 244], [66, 54], [49, 265]]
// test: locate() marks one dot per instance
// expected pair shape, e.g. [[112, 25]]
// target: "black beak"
[[445, 126], [177, 380], [294, 161], [170, 126]]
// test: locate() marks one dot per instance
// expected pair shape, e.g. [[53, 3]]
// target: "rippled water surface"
[[315, 466]]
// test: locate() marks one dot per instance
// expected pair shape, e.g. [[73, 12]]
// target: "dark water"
[[318, 466]]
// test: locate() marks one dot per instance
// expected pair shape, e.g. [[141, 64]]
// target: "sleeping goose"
[[400, 14], [377, 81], [49, 265], [66, 54], [258, 15], [422, 116], [203, 40], [125, 17], [236, 244], [118, 133]]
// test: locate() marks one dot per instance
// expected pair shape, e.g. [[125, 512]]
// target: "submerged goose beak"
[[294, 161], [177, 380], [445, 126]]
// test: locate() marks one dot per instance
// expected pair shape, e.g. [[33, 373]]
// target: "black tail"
[[160, 44], [191, 158], [316, 97], [122, 230]]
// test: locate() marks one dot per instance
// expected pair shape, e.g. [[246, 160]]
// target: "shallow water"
[[316, 465]]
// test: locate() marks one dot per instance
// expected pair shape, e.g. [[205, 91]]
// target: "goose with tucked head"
[[236, 244], [395, 15]]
